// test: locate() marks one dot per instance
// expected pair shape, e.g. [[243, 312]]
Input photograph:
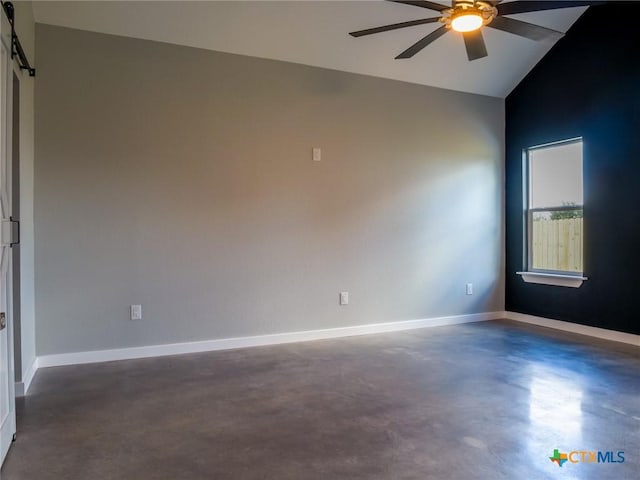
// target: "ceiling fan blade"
[[420, 44], [524, 29], [524, 6], [474, 42], [430, 5], [394, 26]]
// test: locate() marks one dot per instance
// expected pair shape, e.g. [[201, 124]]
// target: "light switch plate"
[[344, 298], [136, 312]]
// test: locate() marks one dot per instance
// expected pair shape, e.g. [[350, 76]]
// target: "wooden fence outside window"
[[557, 244]]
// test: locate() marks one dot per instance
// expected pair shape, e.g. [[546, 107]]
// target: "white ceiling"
[[316, 33]]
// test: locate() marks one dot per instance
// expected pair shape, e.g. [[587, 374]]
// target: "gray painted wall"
[[182, 179]]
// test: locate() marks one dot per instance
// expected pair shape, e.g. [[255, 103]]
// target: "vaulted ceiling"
[[316, 33]]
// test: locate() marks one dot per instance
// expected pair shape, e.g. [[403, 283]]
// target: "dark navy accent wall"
[[588, 85]]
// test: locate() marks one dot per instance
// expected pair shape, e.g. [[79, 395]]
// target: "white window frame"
[[532, 275]]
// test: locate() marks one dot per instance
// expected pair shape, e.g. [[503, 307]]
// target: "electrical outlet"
[[469, 288], [344, 298], [136, 312]]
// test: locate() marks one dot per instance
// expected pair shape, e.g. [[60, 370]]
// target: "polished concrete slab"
[[490, 400]]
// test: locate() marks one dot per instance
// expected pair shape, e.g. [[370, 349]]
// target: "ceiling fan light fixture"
[[467, 21], [468, 15]]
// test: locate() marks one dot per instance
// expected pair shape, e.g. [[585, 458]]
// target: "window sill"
[[557, 279]]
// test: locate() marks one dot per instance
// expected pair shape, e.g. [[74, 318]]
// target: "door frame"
[[8, 431]]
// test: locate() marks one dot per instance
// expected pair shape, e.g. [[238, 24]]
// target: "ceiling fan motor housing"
[[484, 11]]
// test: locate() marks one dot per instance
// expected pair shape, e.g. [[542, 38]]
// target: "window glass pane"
[[556, 175], [556, 241]]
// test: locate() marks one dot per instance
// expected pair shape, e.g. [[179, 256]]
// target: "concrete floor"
[[489, 400]]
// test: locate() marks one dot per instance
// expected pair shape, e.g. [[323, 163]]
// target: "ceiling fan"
[[468, 16]]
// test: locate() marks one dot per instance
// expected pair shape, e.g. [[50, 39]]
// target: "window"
[[554, 208]]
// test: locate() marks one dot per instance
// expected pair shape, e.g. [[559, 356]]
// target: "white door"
[[7, 386]]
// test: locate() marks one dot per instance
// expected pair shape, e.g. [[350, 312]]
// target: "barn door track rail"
[[16, 48]]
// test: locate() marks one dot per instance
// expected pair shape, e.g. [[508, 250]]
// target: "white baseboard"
[[254, 341], [23, 387], [77, 358], [576, 328]]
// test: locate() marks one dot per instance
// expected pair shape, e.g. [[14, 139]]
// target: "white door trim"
[[7, 375]]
